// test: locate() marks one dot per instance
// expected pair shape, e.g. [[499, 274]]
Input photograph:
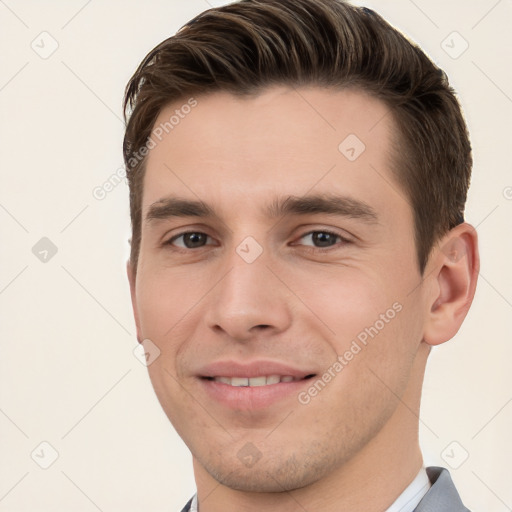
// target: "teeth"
[[258, 381], [273, 379], [254, 381], [239, 381]]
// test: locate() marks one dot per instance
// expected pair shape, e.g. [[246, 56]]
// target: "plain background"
[[69, 376]]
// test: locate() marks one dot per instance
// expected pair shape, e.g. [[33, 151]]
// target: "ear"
[[131, 279], [453, 273]]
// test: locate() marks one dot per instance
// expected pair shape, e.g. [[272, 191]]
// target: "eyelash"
[[343, 241]]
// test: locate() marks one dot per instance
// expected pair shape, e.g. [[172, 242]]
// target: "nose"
[[249, 301]]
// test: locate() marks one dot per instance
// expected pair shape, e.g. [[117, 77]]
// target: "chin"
[[251, 480], [275, 475]]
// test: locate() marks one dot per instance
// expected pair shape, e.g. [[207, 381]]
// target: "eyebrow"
[[169, 207]]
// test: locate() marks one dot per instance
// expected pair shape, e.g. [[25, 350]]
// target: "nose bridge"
[[248, 295], [246, 282]]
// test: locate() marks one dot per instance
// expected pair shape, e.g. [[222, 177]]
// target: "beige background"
[[68, 373]]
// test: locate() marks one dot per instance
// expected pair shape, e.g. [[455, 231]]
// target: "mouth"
[[250, 386], [259, 381]]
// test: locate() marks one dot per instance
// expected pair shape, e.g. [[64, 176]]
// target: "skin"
[[355, 444]]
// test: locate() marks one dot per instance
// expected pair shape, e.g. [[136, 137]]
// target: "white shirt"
[[414, 492], [193, 505], [406, 502]]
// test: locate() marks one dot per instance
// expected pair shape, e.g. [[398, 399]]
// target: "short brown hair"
[[249, 45]]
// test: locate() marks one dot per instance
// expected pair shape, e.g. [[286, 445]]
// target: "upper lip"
[[251, 369]]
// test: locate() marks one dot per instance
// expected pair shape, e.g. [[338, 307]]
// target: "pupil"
[[323, 239], [193, 240]]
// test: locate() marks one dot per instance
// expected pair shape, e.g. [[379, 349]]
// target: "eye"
[[322, 239], [189, 240]]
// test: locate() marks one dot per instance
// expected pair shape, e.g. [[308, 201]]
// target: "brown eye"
[[322, 239], [189, 240]]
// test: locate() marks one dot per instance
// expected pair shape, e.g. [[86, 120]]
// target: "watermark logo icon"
[[44, 250], [352, 147], [249, 250], [455, 250], [44, 455], [45, 45], [454, 45], [146, 352], [455, 455], [249, 455]]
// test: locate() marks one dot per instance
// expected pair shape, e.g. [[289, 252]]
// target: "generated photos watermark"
[[356, 346], [100, 192]]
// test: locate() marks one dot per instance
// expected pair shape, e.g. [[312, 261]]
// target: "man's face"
[[271, 290]]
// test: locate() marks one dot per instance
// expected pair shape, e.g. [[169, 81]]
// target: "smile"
[[255, 381], [252, 385]]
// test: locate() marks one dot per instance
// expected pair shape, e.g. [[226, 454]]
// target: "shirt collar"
[[413, 494], [193, 505], [406, 502]]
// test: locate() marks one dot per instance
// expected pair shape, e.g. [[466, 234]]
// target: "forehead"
[[283, 140]]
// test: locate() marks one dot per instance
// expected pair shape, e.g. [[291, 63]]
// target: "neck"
[[372, 480]]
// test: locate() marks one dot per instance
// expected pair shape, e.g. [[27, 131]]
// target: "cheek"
[[165, 298], [369, 322], [175, 399], [346, 301]]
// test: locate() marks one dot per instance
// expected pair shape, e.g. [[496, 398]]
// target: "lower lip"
[[247, 398]]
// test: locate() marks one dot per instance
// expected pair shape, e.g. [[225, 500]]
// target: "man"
[[298, 172]]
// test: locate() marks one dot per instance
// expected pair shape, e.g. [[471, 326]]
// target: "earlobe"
[[454, 272], [131, 279]]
